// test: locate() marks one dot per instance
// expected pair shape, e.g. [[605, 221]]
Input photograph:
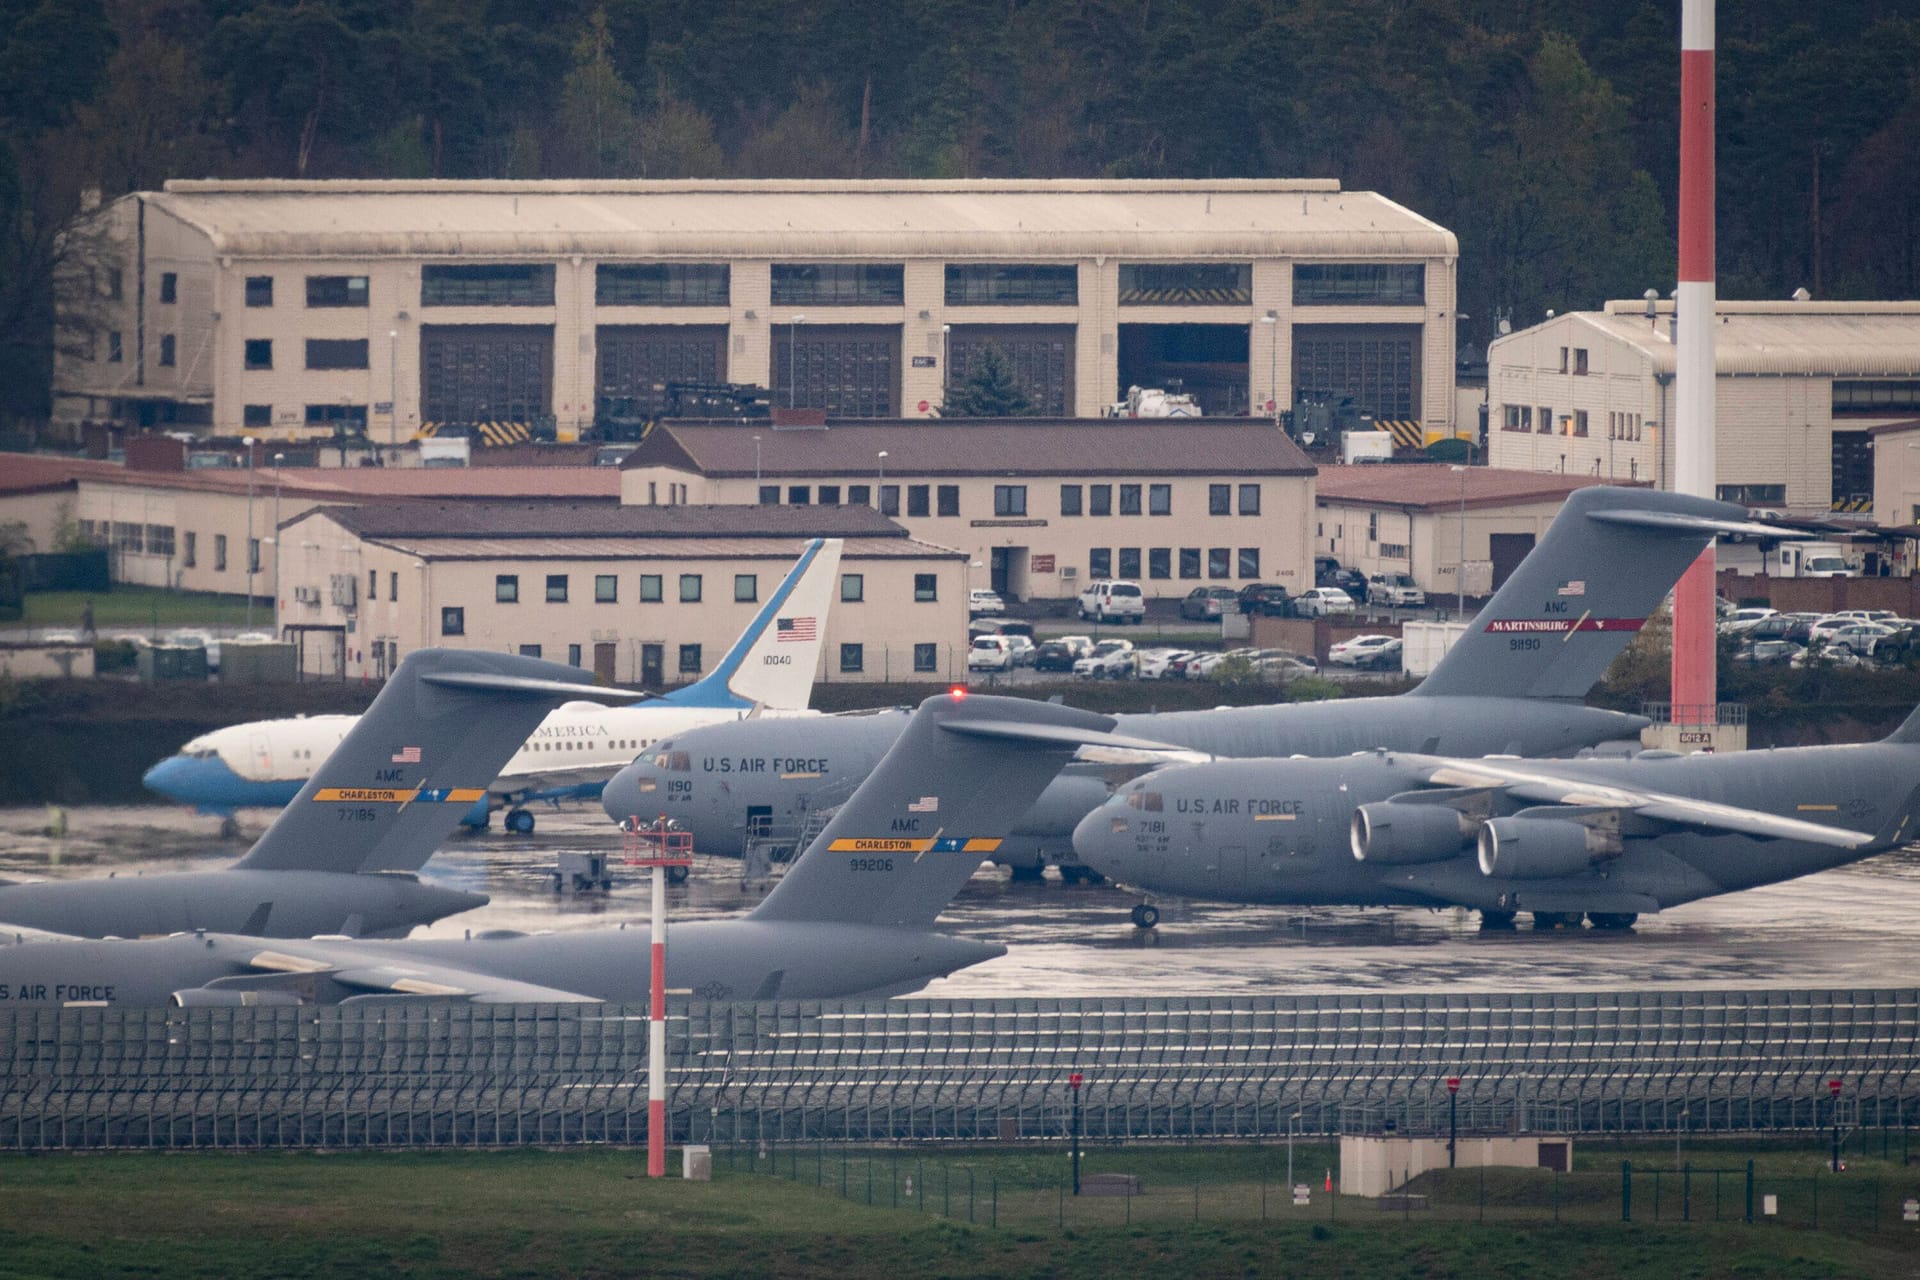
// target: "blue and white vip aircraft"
[[768, 671]]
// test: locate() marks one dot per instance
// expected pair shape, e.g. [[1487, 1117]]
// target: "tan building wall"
[[1423, 542], [200, 520], [41, 515], [1896, 477], [1279, 534], [1622, 399], [398, 598]]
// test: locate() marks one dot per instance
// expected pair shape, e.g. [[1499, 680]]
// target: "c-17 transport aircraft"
[[337, 861], [853, 918], [768, 671], [1608, 839], [1511, 684]]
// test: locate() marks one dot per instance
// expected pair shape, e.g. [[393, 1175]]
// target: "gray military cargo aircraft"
[[852, 918], [343, 858], [1606, 839], [1512, 684]]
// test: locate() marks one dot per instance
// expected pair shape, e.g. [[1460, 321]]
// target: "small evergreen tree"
[[988, 391]]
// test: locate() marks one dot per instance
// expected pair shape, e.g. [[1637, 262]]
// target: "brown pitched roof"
[[502, 520], [41, 473], [1426, 486], [978, 447]]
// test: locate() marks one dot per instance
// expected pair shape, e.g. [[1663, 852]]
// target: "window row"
[[163, 540], [322, 353], [1194, 562], [746, 588], [1010, 500], [853, 657], [322, 291]]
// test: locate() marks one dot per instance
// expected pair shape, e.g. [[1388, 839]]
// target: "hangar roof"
[[1426, 486], [978, 447], [1838, 339], [891, 218]]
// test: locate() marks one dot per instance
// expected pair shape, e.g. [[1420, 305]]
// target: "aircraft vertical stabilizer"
[[1607, 561], [773, 662]]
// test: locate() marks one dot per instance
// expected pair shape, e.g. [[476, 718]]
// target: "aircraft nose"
[[621, 797], [1096, 844], [168, 776]]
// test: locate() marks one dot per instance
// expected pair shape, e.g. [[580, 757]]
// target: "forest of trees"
[[1542, 133]]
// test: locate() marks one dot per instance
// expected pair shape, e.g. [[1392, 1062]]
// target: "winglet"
[[438, 734], [773, 662]]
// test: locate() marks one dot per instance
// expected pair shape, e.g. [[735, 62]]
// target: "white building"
[[301, 308], [1801, 386]]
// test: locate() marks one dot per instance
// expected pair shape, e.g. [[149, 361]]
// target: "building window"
[[373, 585], [219, 553], [116, 283], [259, 291], [926, 586], [689, 588], [926, 657], [1754, 495], [1009, 500], [859, 495], [1159, 499], [1579, 422], [988, 284], [114, 355], [1160, 562], [191, 556], [160, 540], [606, 588], [1178, 284], [852, 658], [393, 584], [746, 588], [1099, 499], [169, 287], [769, 495], [1563, 359], [573, 655], [1069, 499], [1100, 562], [1579, 360], [259, 353], [1219, 499], [253, 555], [556, 588], [1882, 398], [947, 499], [1393, 550], [453, 621], [1129, 499], [650, 591], [661, 284], [1250, 562], [1219, 562], [1189, 562], [1545, 420], [837, 284], [345, 419], [166, 349], [491, 284], [506, 588], [853, 587], [1324, 284], [689, 659], [1129, 562], [829, 495], [799, 495], [256, 415], [336, 353], [917, 496], [889, 499], [336, 291]]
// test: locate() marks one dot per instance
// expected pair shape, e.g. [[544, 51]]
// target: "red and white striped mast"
[[656, 846], [1695, 679]]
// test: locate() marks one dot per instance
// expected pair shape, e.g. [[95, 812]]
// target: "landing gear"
[[1612, 919], [520, 822], [1027, 874], [1072, 873], [1497, 921], [1145, 915], [229, 828], [678, 875], [1556, 920]]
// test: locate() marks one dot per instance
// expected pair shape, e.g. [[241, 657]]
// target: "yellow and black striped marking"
[[1406, 432]]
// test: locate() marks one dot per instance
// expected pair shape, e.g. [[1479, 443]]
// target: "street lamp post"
[[249, 551], [793, 330], [1272, 321], [1453, 1121], [393, 390], [756, 468], [1833, 1088], [278, 458], [946, 361], [1073, 1082]]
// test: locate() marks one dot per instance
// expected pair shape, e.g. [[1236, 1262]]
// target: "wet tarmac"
[[1854, 927]]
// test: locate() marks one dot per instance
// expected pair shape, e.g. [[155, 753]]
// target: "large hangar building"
[[293, 309]]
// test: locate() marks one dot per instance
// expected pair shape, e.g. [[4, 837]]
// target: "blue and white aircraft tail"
[[772, 664]]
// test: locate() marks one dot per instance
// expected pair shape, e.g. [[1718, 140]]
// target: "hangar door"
[[634, 362], [1041, 356], [1207, 361], [486, 373], [1376, 366], [849, 370], [1507, 550]]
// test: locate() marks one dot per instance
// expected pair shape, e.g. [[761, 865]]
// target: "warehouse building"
[[1802, 386], [379, 308]]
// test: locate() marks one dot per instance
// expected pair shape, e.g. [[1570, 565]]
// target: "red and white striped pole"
[[661, 857], [1695, 683]]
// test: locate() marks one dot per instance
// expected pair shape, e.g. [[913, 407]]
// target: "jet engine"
[[1541, 848], [1396, 834], [229, 997]]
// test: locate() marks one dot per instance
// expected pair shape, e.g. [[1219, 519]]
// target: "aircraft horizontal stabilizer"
[[1143, 757], [1062, 735], [1679, 521], [491, 682]]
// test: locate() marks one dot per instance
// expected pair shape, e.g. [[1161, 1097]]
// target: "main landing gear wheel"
[[1556, 920], [678, 875], [1496, 920], [1026, 874], [1145, 915], [1612, 919], [520, 822]]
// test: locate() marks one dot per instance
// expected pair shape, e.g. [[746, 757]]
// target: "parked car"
[[1268, 599], [990, 653], [1328, 572], [1396, 591], [1021, 647], [1111, 658], [1054, 656], [1157, 664], [1321, 601], [1740, 620], [1205, 604], [984, 600], [1276, 664], [1765, 652], [1079, 646], [1857, 637], [1388, 657], [1202, 667], [1113, 600], [1360, 650]]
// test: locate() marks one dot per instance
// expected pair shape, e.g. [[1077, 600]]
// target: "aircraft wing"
[[440, 981], [1652, 806], [516, 782]]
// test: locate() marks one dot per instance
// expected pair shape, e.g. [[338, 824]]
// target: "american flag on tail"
[[407, 755], [795, 629], [925, 804]]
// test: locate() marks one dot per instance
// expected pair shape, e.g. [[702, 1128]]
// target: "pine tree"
[[988, 391]]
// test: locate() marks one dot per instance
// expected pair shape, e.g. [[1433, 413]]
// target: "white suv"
[[1396, 590], [1113, 600], [984, 600]]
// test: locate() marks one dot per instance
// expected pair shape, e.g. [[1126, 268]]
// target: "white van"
[[1113, 600]]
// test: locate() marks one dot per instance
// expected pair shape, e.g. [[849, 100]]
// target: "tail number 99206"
[[871, 864]]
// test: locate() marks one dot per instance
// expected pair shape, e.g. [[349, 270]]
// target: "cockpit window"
[[673, 762], [199, 753], [1148, 800]]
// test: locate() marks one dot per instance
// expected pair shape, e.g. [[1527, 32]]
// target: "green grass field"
[[141, 609], [593, 1212]]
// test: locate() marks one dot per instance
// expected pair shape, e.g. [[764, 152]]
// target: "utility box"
[[1366, 446], [696, 1163], [582, 873], [171, 662], [259, 662], [1425, 643]]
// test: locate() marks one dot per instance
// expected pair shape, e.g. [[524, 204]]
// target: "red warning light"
[[1073, 1081], [958, 693], [1453, 1084], [1833, 1087]]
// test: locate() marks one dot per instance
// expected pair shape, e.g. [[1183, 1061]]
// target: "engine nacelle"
[[1540, 848], [1398, 834], [228, 997]]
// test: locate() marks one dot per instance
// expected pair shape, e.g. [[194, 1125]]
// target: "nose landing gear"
[[1145, 915]]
